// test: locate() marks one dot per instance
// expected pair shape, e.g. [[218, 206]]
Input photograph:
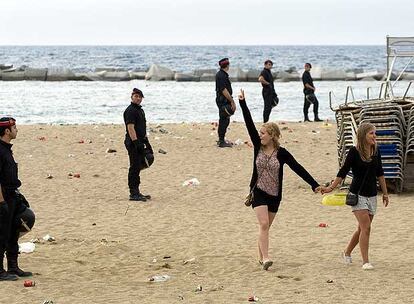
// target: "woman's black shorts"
[[261, 198]]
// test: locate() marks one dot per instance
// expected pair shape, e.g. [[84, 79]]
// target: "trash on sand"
[[238, 142], [29, 283], [42, 138], [253, 299], [154, 260], [167, 257], [48, 302], [110, 150], [162, 151], [191, 182], [49, 176], [159, 278], [323, 225], [189, 261], [329, 281], [163, 131], [199, 288], [49, 238], [27, 247]]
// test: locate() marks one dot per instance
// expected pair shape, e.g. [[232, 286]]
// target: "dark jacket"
[[283, 155], [360, 170], [9, 180]]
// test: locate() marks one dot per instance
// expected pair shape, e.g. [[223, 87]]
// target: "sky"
[[204, 22]]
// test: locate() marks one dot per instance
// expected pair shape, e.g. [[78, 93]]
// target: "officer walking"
[[224, 101], [136, 142], [268, 92], [11, 203], [309, 91]]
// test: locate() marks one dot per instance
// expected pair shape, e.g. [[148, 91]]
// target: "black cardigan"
[[283, 155], [360, 170]]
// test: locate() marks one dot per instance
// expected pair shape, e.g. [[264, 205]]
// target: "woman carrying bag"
[[267, 179], [366, 165]]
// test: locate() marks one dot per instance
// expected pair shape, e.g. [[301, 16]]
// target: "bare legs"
[[265, 219], [361, 235]]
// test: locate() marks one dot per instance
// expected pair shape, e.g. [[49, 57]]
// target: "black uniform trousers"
[[310, 99], [135, 160], [9, 227], [268, 101], [224, 118]]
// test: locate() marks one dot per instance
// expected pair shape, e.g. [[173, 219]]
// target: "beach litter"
[[163, 131], [238, 142], [27, 247], [189, 261], [162, 151], [253, 299], [323, 225], [110, 150], [49, 238], [76, 175], [48, 302], [191, 182], [199, 288], [329, 281], [49, 176], [42, 138], [159, 278], [29, 283]]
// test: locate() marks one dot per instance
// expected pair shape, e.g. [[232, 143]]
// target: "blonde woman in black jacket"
[[267, 178]]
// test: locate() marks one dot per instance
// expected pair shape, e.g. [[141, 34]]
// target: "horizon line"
[[192, 45]]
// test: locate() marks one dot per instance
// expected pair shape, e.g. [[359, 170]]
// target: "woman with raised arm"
[[366, 165], [267, 179]]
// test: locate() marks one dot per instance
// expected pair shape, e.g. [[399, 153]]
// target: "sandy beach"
[[107, 247]]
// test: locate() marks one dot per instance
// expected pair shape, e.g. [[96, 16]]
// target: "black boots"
[[138, 196], [4, 275], [13, 267]]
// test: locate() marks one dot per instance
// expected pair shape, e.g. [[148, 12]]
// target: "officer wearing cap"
[[224, 101], [136, 142], [11, 203], [268, 92]]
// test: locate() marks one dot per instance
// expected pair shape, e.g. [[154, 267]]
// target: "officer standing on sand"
[[268, 92], [224, 101], [12, 204], [136, 142], [309, 91]]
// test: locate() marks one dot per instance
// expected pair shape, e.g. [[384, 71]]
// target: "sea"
[[80, 102]]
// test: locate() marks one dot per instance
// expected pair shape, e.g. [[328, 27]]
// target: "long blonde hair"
[[274, 132], [365, 150]]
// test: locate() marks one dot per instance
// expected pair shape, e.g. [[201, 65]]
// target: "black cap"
[[137, 91]]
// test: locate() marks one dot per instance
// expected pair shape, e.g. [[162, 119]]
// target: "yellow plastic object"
[[336, 199]]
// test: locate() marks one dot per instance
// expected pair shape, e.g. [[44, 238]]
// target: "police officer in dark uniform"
[[11, 203], [136, 142], [224, 101], [268, 92], [309, 91]]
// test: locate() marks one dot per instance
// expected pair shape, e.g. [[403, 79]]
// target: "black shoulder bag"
[[351, 198]]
